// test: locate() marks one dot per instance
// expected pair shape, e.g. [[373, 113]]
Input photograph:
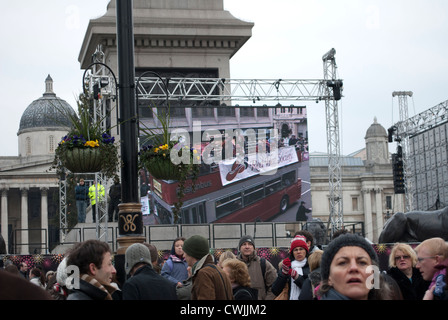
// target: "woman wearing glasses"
[[402, 262]]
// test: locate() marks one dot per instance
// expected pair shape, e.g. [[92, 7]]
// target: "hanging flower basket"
[[86, 148], [162, 169], [157, 161], [80, 160]]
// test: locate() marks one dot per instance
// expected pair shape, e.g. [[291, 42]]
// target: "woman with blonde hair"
[[402, 262], [312, 282], [224, 256], [238, 274]]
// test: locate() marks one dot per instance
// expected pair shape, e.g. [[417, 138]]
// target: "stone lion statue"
[[415, 226]]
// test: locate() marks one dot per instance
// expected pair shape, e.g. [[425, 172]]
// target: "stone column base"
[[125, 241], [130, 226]]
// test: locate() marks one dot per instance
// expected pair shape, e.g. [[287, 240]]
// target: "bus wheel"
[[284, 204]]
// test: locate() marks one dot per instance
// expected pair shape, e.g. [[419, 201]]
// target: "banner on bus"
[[259, 163]]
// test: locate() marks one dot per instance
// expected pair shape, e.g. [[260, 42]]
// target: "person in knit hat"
[[209, 282], [345, 273], [294, 270], [262, 273], [144, 283]]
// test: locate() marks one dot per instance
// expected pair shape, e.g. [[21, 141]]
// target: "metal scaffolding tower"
[[406, 130], [402, 128], [333, 88]]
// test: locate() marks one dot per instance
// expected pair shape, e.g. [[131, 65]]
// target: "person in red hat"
[[293, 270]]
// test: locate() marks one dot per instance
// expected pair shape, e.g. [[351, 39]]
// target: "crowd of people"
[[346, 269]]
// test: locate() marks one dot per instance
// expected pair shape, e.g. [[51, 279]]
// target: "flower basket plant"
[[158, 158], [86, 148]]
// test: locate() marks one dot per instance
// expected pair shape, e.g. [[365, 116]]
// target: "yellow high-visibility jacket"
[[100, 196]]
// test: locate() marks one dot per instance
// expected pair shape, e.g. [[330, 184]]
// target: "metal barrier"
[[34, 247], [221, 235]]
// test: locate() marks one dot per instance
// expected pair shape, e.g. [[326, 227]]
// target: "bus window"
[[194, 214], [289, 178], [185, 216], [227, 205], [273, 186], [202, 216], [164, 215], [198, 214], [253, 194]]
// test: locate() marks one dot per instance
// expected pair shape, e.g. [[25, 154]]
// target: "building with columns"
[[367, 184], [29, 191]]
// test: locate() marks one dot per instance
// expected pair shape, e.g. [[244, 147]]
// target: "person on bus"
[[262, 272], [302, 212]]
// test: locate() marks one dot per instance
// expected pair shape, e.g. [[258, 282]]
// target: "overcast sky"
[[381, 47]]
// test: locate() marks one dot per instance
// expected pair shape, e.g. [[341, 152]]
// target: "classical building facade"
[[29, 191], [367, 185]]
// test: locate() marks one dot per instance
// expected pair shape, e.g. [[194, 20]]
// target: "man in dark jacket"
[[301, 212], [115, 200], [91, 264], [81, 195], [145, 283]]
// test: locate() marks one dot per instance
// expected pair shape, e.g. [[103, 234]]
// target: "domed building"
[[29, 190], [367, 185], [43, 123]]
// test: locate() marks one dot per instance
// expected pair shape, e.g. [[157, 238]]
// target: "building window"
[[28, 146], [388, 202], [51, 144], [354, 203]]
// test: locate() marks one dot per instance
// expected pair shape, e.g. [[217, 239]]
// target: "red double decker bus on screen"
[[229, 192]]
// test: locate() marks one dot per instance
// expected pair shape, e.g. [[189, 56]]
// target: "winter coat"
[[88, 291], [439, 281], [99, 194], [263, 283], [309, 285], [115, 192], [411, 289], [209, 281], [245, 293], [334, 295], [175, 268], [282, 280], [37, 282], [81, 192], [146, 284]]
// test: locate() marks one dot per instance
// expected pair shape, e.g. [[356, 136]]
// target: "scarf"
[[104, 287], [176, 258], [295, 290]]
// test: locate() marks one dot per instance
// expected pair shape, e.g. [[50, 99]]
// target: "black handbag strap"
[[224, 283]]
